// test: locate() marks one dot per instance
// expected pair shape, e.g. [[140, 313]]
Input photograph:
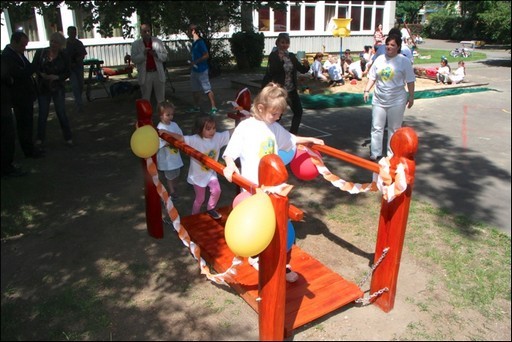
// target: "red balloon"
[[302, 166], [240, 197]]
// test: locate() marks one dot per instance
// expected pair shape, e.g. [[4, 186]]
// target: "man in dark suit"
[[22, 90]]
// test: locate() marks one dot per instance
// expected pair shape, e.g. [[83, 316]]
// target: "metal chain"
[[384, 252], [366, 301]]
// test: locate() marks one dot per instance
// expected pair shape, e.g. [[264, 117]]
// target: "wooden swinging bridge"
[[281, 306]]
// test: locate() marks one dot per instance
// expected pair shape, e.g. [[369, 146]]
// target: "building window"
[[53, 22], [264, 19], [367, 18], [79, 23], [379, 16], [332, 11], [294, 18], [310, 18], [25, 23], [355, 14], [280, 21], [302, 16]]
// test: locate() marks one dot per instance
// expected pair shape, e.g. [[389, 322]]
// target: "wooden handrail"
[[353, 159], [211, 163]]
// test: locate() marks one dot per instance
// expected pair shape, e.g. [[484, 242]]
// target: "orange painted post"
[[272, 262], [393, 221], [153, 203]]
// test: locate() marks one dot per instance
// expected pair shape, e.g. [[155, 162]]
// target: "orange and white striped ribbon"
[[390, 190], [195, 250], [382, 181]]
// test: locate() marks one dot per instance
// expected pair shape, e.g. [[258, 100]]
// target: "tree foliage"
[[497, 21], [407, 11], [461, 20], [166, 17]]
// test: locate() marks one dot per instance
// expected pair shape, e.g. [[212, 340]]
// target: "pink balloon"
[[240, 197], [302, 166]]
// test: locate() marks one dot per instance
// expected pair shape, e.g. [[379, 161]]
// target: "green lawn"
[[435, 56]]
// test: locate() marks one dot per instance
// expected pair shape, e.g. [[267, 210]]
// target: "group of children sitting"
[[336, 70]]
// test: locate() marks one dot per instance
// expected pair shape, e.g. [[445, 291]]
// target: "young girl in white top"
[[443, 72], [168, 157], [258, 136], [459, 74], [208, 141]]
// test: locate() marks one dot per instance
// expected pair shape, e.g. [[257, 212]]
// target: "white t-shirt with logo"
[[252, 140], [168, 157], [198, 173]]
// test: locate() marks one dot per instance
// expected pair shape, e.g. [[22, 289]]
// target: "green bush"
[[247, 47]]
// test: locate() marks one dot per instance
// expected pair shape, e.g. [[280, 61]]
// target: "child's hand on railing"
[[228, 172]]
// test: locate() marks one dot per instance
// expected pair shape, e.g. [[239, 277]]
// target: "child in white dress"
[[458, 75], [168, 157]]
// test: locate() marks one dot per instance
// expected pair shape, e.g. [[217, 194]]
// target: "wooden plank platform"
[[317, 292]]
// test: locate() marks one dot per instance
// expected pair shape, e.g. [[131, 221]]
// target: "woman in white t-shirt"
[[390, 73]]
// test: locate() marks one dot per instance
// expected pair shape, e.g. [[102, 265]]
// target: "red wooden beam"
[[393, 221], [153, 203], [272, 261]]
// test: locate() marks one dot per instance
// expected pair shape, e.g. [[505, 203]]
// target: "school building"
[[309, 24]]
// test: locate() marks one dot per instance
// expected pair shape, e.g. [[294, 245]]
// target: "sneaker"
[[214, 111], [214, 214], [193, 110], [291, 276], [69, 143], [254, 262]]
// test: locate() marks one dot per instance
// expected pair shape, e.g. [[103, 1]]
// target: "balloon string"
[[381, 181], [195, 250]]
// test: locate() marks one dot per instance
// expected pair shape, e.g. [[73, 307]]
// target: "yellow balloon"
[[144, 141], [251, 225]]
